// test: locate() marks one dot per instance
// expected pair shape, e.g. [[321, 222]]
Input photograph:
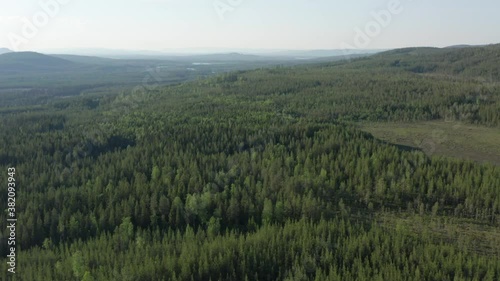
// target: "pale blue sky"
[[267, 24]]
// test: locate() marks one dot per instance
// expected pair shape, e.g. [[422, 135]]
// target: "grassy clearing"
[[450, 139], [466, 234]]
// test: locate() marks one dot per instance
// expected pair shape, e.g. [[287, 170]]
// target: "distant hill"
[[464, 46], [222, 57], [179, 53], [458, 46], [246, 57], [31, 61], [85, 59], [5, 50], [310, 54], [470, 62]]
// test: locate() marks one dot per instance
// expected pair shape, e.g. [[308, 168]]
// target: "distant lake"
[[209, 63]]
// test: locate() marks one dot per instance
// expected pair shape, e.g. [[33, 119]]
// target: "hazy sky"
[[269, 24]]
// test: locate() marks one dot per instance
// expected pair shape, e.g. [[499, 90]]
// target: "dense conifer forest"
[[259, 175]]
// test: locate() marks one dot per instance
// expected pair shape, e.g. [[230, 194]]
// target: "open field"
[[451, 139], [470, 235]]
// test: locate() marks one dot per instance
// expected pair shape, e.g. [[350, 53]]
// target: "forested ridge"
[[259, 175]]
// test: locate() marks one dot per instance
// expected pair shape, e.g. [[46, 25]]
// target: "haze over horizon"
[[166, 25]]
